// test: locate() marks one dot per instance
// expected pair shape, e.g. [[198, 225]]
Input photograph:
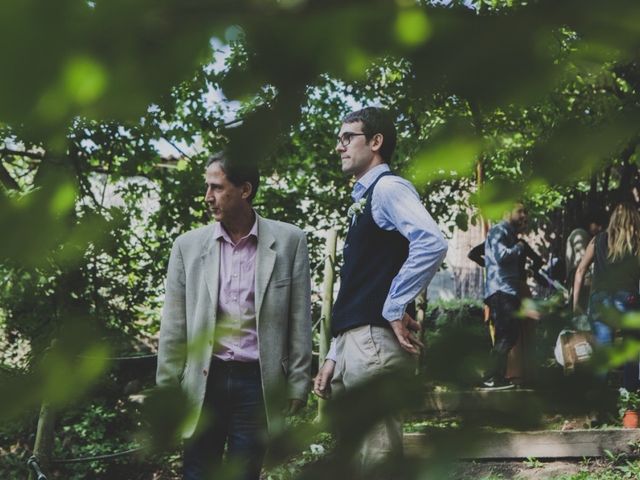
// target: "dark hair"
[[376, 120], [237, 172], [599, 217]]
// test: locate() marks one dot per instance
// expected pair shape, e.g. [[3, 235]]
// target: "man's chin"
[[347, 170]]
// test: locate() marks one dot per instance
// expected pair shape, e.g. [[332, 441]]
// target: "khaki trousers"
[[361, 354]]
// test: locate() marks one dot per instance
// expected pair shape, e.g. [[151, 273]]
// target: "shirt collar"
[[220, 232], [367, 180]]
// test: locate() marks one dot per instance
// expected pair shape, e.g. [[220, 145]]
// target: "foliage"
[[627, 401], [442, 313], [96, 431], [456, 322], [105, 136], [290, 469]]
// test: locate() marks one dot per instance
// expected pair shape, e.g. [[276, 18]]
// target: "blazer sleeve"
[[173, 326], [299, 338]]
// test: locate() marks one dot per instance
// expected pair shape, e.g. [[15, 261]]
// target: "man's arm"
[[299, 336], [536, 259], [496, 242], [476, 254], [397, 206], [322, 381], [173, 327]]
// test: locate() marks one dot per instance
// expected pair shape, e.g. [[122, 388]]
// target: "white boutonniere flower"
[[357, 208]]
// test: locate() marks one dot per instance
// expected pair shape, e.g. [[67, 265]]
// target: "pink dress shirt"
[[236, 337]]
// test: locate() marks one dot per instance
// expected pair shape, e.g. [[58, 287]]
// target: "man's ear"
[[247, 190], [376, 142]]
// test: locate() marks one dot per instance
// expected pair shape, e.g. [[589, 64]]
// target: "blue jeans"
[[234, 405], [623, 302], [602, 333]]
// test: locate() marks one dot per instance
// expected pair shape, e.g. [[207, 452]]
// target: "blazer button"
[[205, 372]]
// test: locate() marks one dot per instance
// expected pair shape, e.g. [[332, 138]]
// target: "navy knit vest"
[[372, 259]]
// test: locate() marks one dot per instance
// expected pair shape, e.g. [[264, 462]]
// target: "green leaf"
[[412, 27], [63, 200], [453, 158], [85, 80]]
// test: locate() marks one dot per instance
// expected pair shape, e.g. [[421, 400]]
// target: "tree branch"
[[22, 153], [7, 180]]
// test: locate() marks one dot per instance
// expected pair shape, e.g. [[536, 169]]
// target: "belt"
[[235, 365]]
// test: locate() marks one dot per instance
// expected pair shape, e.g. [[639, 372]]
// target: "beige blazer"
[[283, 315]]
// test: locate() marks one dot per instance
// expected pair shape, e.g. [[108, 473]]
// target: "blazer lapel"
[[211, 266], [265, 261]]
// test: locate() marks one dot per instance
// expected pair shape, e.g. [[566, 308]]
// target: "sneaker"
[[494, 384]]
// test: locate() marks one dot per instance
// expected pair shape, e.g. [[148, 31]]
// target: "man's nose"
[[339, 147]]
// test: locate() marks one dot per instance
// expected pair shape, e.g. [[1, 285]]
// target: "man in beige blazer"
[[236, 326]]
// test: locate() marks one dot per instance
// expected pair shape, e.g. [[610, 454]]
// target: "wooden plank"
[[502, 400], [541, 444], [477, 400]]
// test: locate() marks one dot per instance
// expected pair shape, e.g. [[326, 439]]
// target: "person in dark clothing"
[[615, 254], [519, 368], [502, 259], [577, 242]]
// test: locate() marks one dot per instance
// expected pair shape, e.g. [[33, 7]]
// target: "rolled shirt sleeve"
[[332, 354]]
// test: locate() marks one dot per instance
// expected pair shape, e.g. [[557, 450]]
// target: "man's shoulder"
[[388, 185], [393, 179], [499, 229]]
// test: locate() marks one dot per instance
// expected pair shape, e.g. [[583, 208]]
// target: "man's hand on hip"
[[322, 382], [406, 332]]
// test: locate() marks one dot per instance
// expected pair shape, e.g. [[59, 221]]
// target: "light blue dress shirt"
[[395, 205]]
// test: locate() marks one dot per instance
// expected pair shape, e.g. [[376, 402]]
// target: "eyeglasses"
[[345, 138]]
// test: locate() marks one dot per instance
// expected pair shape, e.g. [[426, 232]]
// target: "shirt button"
[[205, 372]]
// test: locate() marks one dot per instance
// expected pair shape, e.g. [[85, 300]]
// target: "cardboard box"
[[573, 349]]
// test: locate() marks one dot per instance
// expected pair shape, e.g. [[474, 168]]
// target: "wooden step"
[[442, 402], [476, 400], [540, 444]]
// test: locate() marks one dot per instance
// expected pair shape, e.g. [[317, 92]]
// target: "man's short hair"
[[376, 120], [237, 172], [599, 217]]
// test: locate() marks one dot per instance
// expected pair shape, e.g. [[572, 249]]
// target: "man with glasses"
[[392, 251]]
